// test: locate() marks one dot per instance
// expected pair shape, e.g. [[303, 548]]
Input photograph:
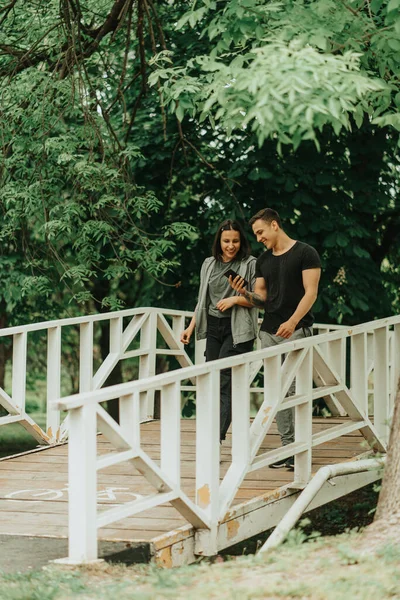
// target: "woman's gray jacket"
[[243, 320]]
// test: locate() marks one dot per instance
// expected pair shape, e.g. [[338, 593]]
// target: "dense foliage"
[[75, 222], [128, 130], [286, 69]]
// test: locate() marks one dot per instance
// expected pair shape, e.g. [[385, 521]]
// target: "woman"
[[226, 319]]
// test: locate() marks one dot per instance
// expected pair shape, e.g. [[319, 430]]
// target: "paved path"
[[24, 553]]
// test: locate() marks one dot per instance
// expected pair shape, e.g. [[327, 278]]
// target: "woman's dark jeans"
[[219, 344]]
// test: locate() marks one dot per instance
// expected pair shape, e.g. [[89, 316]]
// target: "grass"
[[14, 438], [324, 569]]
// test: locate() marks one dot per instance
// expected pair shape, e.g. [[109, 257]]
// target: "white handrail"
[[308, 494], [155, 382], [144, 321], [56, 431], [42, 325]]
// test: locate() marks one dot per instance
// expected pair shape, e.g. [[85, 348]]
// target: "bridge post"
[[394, 365], [199, 350], [359, 371], [303, 420], [171, 432], [240, 417], [82, 485], [381, 382], [19, 370], [53, 380], [207, 459], [86, 357], [147, 363]]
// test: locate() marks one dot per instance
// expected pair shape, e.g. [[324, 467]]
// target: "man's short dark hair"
[[268, 215]]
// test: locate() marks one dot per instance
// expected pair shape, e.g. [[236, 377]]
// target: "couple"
[[282, 282]]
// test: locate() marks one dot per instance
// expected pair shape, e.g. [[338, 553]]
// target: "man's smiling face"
[[266, 233]]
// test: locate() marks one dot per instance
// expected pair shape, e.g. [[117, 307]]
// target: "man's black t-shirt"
[[284, 283]]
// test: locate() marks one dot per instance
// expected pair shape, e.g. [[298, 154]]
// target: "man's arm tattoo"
[[254, 299]]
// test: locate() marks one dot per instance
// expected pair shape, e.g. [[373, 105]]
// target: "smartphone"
[[231, 272]]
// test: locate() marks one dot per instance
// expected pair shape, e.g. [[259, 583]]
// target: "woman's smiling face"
[[230, 244]]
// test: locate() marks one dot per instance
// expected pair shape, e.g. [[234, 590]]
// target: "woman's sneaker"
[[287, 463], [280, 464], [290, 463]]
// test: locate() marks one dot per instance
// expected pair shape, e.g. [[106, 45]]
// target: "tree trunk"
[[388, 511]]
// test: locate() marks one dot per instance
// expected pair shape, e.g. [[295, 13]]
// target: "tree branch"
[[6, 9], [112, 22], [142, 56]]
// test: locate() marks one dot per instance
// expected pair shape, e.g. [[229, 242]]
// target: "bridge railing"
[[141, 333], [143, 328], [318, 365]]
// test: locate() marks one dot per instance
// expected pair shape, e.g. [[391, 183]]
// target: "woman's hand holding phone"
[[237, 282]]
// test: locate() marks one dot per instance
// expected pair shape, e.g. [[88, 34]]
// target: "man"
[[286, 288]]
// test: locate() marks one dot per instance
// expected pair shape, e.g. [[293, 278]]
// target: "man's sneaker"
[[289, 464], [280, 464]]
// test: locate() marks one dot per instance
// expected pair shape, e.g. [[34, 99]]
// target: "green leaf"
[[330, 240], [342, 239], [393, 5], [394, 43], [183, 20], [360, 252], [180, 112], [376, 5]]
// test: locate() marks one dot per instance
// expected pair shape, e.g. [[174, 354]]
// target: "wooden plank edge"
[[174, 548], [33, 451], [265, 517]]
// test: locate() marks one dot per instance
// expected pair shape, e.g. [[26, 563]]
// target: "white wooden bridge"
[[166, 482]]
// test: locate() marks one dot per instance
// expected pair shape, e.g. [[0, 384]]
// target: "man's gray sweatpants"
[[285, 418]]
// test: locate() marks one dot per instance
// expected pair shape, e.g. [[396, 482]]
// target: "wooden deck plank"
[[126, 469], [43, 461], [44, 472], [58, 520], [50, 507]]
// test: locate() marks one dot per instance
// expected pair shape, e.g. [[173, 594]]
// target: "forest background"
[[130, 128]]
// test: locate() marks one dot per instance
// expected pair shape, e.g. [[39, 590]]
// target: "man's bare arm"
[[257, 297], [254, 299]]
